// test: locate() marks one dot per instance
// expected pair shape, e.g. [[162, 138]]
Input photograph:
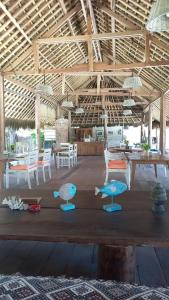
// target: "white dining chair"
[[45, 163], [117, 163], [65, 157], [24, 169], [75, 153]]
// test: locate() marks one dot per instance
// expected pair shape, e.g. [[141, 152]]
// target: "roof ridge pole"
[[2, 114]]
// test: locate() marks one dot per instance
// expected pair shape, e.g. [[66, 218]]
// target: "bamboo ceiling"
[[24, 57]]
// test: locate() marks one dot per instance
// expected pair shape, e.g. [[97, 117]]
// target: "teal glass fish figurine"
[[112, 189], [66, 192]]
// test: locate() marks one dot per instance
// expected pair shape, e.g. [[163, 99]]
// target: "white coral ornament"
[[15, 203]]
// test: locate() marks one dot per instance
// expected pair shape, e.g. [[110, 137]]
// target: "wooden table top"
[[88, 223], [118, 149], [152, 158]]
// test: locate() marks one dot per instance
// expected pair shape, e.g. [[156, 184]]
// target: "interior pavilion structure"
[[83, 51]]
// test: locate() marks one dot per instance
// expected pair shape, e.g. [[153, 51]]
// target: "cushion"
[[117, 164], [21, 167], [40, 288]]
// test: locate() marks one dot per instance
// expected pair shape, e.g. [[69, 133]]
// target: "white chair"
[[117, 163], [65, 157], [75, 153], [29, 167], [45, 163]]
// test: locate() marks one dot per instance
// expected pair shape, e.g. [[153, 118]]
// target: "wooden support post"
[[37, 120], [69, 126], [2, 115], [58, 111], [150, 125], [63, 83], [89, 41], [163, 111], [117, 263], [142, 130]]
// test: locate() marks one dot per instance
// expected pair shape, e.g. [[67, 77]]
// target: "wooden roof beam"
[[98, 67], [94, 37], [89, 3], [50, 32], [12, 19]]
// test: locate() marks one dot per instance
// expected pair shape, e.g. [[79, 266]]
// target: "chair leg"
[[17, 178], [37, 177], [29, 181], [7, 180], [50, 175], [44, 178], [107, 176]]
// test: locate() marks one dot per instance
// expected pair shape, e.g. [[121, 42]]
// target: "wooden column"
[[58, 111], [150, 126], [116, 263], [163, 110], [2, 115], [37, 120], [69, 124], [142, 130]]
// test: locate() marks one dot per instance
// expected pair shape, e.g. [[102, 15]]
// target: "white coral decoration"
[[15, 203]]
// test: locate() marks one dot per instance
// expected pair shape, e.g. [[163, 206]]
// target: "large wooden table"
[[115, 233], [139, 159]]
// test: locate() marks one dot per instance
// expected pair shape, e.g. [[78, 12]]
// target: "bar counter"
[[90, 148]]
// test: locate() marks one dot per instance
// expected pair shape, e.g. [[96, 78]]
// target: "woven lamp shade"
[[44, 89], [159, 17], [66, 103], [129, 102], [132, 82], [127, 112], [79, 110]]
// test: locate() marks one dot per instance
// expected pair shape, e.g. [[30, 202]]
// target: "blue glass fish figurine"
[[112, 189], [66, 192]]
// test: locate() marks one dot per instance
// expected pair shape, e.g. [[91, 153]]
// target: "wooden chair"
[[45, 163], [29, 167], [66, 157], [117, 163]]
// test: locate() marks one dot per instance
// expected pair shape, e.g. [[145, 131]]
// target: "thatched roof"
[[23, 23]]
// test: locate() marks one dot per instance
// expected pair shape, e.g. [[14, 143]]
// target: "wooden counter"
[[90, 148]]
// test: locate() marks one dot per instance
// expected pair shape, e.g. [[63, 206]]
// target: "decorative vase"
[[159, 197], [146, 153]]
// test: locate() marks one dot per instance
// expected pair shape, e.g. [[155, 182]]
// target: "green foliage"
[[145, 146], [126, 142]]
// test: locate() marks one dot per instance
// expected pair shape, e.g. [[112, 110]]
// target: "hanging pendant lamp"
[[129, 102], [79, 110], [127, 112], [132, 82], [67, 103], [159, 16], [44, 89]]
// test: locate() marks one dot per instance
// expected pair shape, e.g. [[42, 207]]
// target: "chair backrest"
[[47, 154], [32, 158], [75, 148], [113, 156]]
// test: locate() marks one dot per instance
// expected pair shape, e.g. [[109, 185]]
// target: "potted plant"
[[126, 142], [146, 149]]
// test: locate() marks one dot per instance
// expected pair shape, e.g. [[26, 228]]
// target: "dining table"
[[150, 159]]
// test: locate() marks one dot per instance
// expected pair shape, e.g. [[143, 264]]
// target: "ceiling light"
[[79, 110], [159, 17], [129, 102], [132, 82], [67, 103], [61, 121], [127, 112], [44, 89], [104, 116]]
